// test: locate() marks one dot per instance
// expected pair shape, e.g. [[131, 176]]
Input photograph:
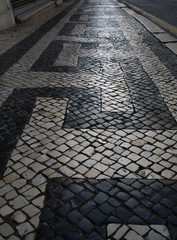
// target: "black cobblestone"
[[90, 217]]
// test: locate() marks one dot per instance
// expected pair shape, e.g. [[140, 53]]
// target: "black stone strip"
[[82, 208], [144, 93], [12, 55], [67, 29], [166, 56], [89, 45], [48, 57], [76, 18]]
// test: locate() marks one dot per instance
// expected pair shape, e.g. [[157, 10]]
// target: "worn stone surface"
[[87, 93]]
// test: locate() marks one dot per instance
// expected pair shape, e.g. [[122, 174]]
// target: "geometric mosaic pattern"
[[149, 110], [88, 110], [97, 148]]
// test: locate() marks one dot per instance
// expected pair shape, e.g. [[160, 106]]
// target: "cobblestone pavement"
[[88, 128]]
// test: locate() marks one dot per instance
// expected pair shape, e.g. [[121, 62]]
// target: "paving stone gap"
[[87, 127]]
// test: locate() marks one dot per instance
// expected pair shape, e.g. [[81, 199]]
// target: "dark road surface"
[[165, 10]]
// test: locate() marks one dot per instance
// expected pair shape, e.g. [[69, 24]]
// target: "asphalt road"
[[163, 9]]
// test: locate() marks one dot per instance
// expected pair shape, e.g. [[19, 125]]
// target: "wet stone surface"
[[88, 109], [82, 208]]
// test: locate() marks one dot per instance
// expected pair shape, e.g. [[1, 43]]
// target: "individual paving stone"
[[54, 154], [19, 183], [29, 174], [6, 210], [24, 229], [17, 166], [11, 177], [6, 230], [85, 225], [162, 230], [96, 216], [31, 193], [82, 169], [104, 186], [101, 167], [74, 216], [167, 174], [124, 161], [101, 198], [31, 210], [26, 161], [153, 235], [93, 173], [80, 157], [37, 167], [89, 151], [122, 213], [2, 183], [106, 208], [19, 217], [111, 228], [161, 210], [119, 233], [67, 171], [131, 203], [62, 148], [133, 167], [39, 179], [144, 163], [123, 196], [123, 172], [139, 142], [131, 234], [73, 164], [39, 202], [2, 201], [18, 202], [142, 230]]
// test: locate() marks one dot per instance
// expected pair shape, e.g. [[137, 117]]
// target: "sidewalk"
[[87, 127]]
